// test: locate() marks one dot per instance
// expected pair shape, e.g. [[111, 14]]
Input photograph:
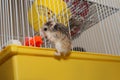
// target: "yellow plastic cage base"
[[30, 63]]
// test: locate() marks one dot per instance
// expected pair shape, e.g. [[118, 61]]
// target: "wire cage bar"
[[93, 26]]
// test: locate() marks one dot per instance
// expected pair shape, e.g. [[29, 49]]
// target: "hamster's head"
[[48, 27]]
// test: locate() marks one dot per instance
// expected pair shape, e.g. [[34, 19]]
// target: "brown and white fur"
[[58, 34]]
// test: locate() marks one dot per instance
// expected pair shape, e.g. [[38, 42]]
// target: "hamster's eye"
[[45, 29]]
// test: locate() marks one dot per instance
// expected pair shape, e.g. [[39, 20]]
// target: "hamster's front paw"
[[57, 54]]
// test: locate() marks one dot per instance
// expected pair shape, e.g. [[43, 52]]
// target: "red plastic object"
[[33, 41]]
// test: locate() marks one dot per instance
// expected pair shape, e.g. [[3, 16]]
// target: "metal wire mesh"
[[97, 23]]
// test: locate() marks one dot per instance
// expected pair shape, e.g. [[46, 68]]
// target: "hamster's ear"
[[56, 26], [50, 23]]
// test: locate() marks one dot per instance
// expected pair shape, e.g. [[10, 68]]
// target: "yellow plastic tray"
[[29, 63]]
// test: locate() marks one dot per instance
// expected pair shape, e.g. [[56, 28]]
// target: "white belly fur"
[[58, 46]]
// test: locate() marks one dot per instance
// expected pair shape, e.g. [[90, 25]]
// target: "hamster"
[[58, 34]]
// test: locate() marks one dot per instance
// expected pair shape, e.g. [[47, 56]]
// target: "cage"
[[93, 27], [21, 19]]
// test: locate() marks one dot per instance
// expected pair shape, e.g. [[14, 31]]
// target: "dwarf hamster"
[[58, 34]]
